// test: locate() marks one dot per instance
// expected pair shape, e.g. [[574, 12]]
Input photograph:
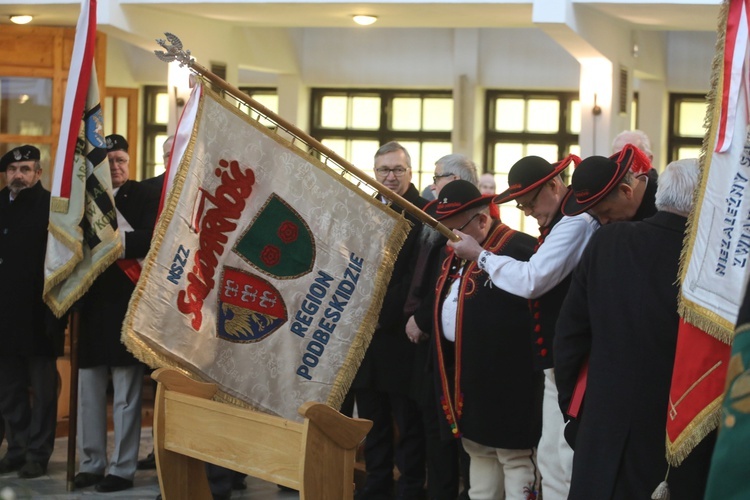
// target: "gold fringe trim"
[[706, 320], [703, 423], [155, 356], [363, 337], [60, 307], [149, 353], [59, 205]]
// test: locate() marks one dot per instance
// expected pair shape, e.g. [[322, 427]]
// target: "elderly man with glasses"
[[538, 189]]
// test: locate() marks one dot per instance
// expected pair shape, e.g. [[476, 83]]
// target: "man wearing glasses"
[[538, 189], [101, 352], [382, 385]]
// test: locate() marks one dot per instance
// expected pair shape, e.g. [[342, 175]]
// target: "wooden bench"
[[315, 456]]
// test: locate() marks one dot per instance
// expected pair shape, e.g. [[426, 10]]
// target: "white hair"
[[460, 166], [637, 138], [677, 186]]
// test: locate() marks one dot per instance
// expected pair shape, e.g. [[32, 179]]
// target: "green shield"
[[278, 242]]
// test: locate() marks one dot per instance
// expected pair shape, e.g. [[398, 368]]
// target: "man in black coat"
[[101, 351], [490, 395], [621, 314], [31, 337], [383, 382]]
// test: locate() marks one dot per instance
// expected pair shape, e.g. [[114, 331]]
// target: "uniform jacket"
[[388, 362], [104, 306], [621, 313], [29, 328], [486, 377]]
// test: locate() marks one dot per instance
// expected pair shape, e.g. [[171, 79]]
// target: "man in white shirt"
[[538, 189]]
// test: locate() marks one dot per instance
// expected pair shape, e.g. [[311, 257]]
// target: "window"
[[267, 96], [686, 115], [156, 118], [355, 123], [521, 123], [26, 117]]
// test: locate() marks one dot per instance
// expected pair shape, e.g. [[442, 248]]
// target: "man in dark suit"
[[31, 337], [101, 352], [382, 384], [621, 314]]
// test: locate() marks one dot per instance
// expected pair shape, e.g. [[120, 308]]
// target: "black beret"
[[21, 153], [116, 142]]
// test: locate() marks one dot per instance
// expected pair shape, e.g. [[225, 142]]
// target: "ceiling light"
[[21, 19], [363, 20]]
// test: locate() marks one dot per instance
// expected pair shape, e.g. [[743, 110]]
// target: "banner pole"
[[175, 53]]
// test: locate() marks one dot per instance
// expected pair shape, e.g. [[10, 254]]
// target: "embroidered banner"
[[267, 270], [715, 261], [83, 238]]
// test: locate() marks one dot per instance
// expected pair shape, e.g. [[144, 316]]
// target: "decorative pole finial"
[[174, 52]]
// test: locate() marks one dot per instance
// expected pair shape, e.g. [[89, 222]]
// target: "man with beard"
[[32, 338]]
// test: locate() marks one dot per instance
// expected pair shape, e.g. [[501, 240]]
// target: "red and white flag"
[[83, 238], [716, 256]]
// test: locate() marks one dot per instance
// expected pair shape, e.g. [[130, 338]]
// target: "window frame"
[[674, 140], [384, 133], [151, 129], [562, 138]]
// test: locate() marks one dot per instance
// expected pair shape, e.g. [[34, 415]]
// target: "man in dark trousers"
[[31, 337], [621, 314], [490, 395], [382, 384], [101, 351]]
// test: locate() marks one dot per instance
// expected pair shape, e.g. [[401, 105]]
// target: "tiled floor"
[[53, 485]]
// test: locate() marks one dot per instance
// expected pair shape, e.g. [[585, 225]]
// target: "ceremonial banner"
[[83, 238], [267, 269], [715, 264], [728, 477]]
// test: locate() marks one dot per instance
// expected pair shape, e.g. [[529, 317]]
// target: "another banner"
[[717, 250], [83, 238], [267, 270], [728, 477]]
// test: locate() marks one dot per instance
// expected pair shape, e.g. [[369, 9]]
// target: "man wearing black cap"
[[101, 352], [608, 189], [538, 189], [620, 314], [31, 337], [490, 394]]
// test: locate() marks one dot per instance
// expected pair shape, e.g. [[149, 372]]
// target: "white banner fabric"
[[267, 269]]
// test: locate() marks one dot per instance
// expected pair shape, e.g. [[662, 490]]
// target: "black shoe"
[[239, 484], [113, 483], [31, 470], [8, 465], [148, 463], [86, 479]]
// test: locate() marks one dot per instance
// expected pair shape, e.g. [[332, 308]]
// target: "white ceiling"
[[665, 16]]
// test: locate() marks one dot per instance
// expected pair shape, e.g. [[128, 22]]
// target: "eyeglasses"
[[384, 171], [467, 222], [531, 203], [119, 161], [436, 177]]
